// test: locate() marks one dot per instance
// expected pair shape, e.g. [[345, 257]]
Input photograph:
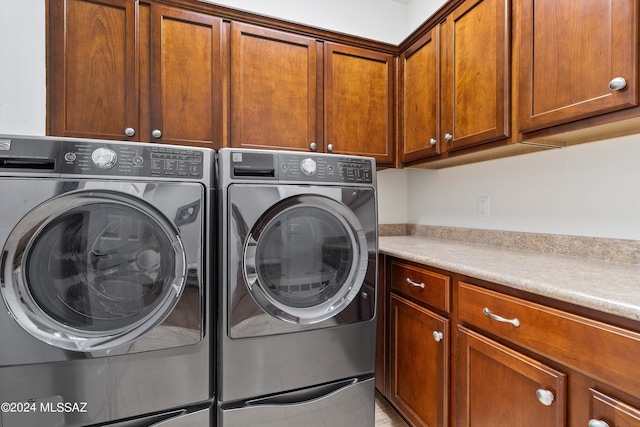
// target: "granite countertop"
[[610, 287]]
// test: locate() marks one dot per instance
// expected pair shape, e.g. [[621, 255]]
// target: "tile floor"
[[386, 416]]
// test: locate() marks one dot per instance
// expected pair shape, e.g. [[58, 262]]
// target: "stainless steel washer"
[[296, 335], [104, 278]]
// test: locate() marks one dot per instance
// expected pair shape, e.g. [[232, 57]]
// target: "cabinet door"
[[570, 52], [419, 347], [607, 411], [92, 85], [273, 89], [476, 73], [419, 98], [185, 78], [358, 99], [498, 386]]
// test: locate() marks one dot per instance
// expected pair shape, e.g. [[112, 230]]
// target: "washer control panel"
[[92, 158]]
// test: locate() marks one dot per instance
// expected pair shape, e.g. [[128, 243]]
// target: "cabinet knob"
[[156, 133], [597, 423], [313, 146], [545, 396], [330, 148], [432, 142], [438, 336], [448, 137], [412, 283], [129, 131], [618, 83]]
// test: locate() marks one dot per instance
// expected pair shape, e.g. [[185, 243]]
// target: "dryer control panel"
[[319, 168], [288, 166], [116, 159]]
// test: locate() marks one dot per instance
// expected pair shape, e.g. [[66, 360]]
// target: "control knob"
[[308, 166], [104, 158]]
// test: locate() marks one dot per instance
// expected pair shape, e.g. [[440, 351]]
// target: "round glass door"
[[305, 259], [93, 270]]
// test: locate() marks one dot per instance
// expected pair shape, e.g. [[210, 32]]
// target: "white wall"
[[586, 190], [383, 20], [22, 67]]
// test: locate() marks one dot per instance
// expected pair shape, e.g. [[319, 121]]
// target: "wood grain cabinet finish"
[[429, 287], [476, 74], [419, 363], [570, 52], [185, 77], [274, 101], [419, 106], [498, 386], [125, 70], [358, 102], [601, 351], [455, 82], [93, 68], [605, 411]]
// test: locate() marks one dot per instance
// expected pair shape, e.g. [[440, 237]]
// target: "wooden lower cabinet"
[[496, 358], [419, 357], [498, 386]]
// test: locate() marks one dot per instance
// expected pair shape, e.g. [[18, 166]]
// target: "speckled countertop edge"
[[609, 287]]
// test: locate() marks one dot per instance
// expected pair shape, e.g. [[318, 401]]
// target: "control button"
[[104, 158], [138, 160], [70, 157], [330, 168], [308, 166]]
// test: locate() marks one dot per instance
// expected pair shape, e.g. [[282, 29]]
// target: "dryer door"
[[305, 259], [92, 270]]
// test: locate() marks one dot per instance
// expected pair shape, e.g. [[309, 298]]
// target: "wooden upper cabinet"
[[570, 54], [358, 102], [185, 77], [419, 98], [273, 89], [498, 386], [92, 77], [476, 73], [137, 71]]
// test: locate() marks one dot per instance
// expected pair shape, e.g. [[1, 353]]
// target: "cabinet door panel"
[[570, 52], [420, 74], [92, 83], [185, 77], [273, 89], [497, 386], [475, 96], [612, 411], [358, 101], [419, 363]]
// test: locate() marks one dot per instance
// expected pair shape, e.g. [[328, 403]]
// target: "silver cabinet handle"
[[412, 283], [330, 147], [438, 336], [156, 133], [129, 131], [448, 137], [597, 423], [617, 83], [432, 142], [313, 146], [545, 396], [515, 322]]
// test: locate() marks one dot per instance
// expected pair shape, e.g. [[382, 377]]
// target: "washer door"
[[305, 259], [92, 270]]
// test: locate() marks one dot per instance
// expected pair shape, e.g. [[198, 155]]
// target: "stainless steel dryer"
[[297, 305], [103, 274]]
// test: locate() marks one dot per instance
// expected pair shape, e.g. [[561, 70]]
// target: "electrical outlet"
[[483, 206]]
